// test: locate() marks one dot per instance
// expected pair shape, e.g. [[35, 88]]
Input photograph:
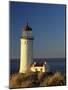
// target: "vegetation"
[[56, 79], [36, 79]]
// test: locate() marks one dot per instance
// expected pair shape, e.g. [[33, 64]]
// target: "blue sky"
[[48, 26]]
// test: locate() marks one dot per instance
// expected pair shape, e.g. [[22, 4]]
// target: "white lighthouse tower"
[[26, 51]]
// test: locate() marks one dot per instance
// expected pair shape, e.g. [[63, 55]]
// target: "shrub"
[[23, 80], [41, 77], [56, 80], [36, 79]]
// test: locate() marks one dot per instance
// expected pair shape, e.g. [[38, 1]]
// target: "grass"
[[36, 79]]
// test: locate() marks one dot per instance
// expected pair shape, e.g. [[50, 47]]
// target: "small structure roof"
[[39, 64]]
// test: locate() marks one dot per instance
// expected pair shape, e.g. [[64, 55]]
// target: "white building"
[[26, 51], [40, 67]]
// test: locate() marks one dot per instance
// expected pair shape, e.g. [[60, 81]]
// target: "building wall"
[[40, 69], [26, 55]]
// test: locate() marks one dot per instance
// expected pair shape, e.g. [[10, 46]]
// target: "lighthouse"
[[26, 49]]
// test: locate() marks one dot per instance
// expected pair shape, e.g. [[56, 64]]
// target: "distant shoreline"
[[38, 58]]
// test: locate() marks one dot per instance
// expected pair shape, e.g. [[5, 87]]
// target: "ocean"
[[54, 64]]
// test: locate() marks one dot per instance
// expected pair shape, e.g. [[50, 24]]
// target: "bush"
[[41, 77], [13, 83], [56, 80], [23, 80], [36, 79]]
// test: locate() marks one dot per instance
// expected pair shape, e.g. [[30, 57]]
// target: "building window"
[[36, 70], [41, 69]]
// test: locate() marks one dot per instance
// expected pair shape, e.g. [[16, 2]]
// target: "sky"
[[48, 27]]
